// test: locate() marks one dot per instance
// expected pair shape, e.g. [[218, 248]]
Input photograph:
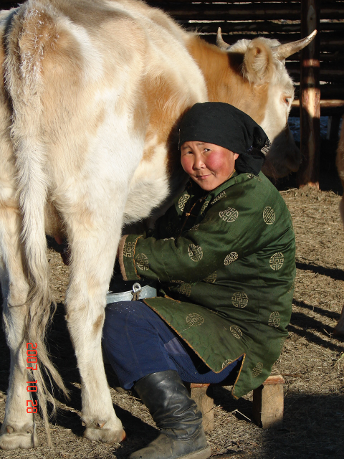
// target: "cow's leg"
[[18, 429], [93, 249]]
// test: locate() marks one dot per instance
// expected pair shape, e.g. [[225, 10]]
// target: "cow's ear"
[[258, 62]]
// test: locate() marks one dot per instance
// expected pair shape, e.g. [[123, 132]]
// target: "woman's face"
[[207, 164]]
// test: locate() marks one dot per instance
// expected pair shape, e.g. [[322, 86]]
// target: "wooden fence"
[[273, 19], [317, 71]]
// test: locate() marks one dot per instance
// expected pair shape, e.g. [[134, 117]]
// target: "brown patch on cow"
[[140, 113], [98, 324], [91, 15], [62, 56], [103, 24], [256, 102], [61, 70], [98, 119], [63, 102], [224, 79], [163, 102]]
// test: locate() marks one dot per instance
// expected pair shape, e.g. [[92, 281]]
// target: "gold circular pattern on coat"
[[229, 215], [195, 252], [142, 262], [230, 258], [129, 249], [183, 200], [194, 319], [184, 289], [276, 261], [257, 369], [195, 228], [211, 279], [240, 300], [274, 319], [269, 215], [236, 332]]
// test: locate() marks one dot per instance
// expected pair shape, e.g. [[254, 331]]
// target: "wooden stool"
[[268, 402], [202, 394]]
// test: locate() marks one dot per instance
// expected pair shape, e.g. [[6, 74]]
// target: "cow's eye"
[[287, 100]]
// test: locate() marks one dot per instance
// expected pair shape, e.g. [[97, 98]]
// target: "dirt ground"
[[312, 362]]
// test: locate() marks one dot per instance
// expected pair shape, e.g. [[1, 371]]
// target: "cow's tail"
[[23, 79]]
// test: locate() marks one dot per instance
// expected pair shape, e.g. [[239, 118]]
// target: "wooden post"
[[202, 395], [267, 408], [310, 97], [268, 402]]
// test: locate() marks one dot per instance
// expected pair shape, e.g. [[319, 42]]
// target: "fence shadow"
[[311, 427]]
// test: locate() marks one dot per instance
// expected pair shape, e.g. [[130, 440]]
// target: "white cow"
[[90, 97]]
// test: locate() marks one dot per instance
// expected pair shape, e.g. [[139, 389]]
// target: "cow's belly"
[[148, 187], [152, 187]]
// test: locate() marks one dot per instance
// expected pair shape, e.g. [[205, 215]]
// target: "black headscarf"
[[227, 126]]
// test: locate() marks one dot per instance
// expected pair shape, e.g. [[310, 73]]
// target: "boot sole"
[[202, 454]]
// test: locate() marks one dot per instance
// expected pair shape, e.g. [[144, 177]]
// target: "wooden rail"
[[240, 12], [317, 71]]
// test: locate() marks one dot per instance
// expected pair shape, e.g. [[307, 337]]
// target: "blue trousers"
[[138, 342]]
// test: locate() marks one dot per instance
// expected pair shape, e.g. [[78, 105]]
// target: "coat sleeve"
[[232, 227]]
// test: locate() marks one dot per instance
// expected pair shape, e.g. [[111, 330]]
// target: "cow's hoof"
[[106, 432], [13, 437]]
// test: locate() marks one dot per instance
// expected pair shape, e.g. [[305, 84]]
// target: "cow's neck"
[[224, 80]]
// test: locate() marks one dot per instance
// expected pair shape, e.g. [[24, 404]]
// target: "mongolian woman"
[[223, 257]]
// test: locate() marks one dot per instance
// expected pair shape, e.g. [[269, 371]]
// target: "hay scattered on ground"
[[312, 363]]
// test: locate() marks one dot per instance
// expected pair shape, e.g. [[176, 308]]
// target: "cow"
[[339, 328], [90, 99]]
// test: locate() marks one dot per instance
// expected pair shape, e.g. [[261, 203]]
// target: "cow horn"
[[283, 51], [220, 41]]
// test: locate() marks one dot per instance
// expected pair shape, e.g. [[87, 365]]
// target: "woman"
[[224, 260]]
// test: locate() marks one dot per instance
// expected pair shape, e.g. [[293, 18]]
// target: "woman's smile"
[[207, 164]]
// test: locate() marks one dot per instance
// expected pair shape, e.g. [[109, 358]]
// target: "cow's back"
[[102, 82]]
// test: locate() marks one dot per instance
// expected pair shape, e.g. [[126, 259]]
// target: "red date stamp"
[[31, 359]]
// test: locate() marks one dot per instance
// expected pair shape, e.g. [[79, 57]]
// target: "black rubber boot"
[[177, 416]]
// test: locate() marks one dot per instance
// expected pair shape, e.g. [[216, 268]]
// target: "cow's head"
[[262, 65]]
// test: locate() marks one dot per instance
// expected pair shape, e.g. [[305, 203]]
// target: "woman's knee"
[[118, 316]]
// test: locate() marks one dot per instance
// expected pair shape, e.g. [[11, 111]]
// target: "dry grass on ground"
[[312, 363]]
